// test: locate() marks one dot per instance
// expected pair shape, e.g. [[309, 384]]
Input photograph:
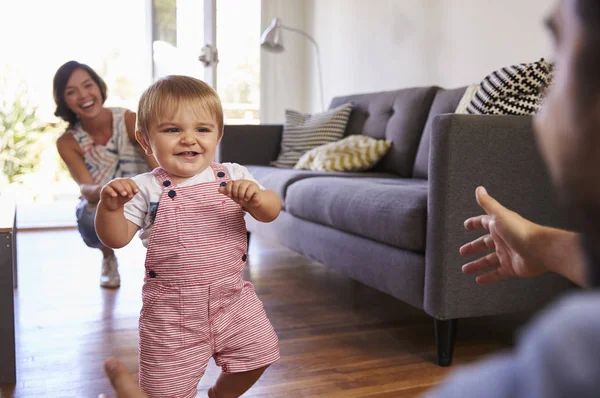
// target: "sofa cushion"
[[303, 132], [398, 116], [279, 179], [354, 153], [445, 101], [391, 211]]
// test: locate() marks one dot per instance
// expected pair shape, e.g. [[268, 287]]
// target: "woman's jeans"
[[86, 213]]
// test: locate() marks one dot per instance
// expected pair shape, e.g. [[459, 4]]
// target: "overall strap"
[[161, 176], [219, 171]]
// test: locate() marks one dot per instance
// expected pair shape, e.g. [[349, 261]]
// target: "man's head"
[[568, 127], [180, 122]]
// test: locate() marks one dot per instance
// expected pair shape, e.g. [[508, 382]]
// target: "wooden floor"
[[338, 338]]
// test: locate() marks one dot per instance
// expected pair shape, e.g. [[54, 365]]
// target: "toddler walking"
[[190, 213]]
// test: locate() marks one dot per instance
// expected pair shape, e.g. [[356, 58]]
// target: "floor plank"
[[338, 338]]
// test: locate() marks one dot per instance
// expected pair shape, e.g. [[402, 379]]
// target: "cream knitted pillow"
[[353, 153], [466, 98]]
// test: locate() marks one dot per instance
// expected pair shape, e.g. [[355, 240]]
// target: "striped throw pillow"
[[303, 132], [353, 153], [513, 90]]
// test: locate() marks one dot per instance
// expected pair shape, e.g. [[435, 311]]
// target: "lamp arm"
[[309, 37]]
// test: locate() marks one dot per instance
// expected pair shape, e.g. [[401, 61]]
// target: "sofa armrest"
[[250, 144], [500, 153]]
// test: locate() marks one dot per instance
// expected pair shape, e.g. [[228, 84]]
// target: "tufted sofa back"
[[399, 116]]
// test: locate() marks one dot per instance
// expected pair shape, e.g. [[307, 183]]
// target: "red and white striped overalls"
[[195, 303]]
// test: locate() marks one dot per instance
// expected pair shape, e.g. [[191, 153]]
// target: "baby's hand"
[[118, 192], [246, 193]]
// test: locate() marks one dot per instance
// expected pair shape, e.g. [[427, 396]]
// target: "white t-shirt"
[[141, 209]]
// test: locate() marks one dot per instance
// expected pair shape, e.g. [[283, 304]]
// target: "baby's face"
[[185, 143]]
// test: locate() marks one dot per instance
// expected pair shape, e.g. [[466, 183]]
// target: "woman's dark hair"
[[61, 77]]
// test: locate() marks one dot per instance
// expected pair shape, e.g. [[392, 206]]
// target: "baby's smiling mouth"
[[188, 154]]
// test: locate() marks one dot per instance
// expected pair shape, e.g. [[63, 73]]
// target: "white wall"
[[480, 36], [284, 76], [372, 45]]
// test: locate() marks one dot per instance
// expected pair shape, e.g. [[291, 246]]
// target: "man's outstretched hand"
[[512, 238]]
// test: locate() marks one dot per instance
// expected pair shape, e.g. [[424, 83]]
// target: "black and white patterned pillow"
[[303, 132], [513, 90]]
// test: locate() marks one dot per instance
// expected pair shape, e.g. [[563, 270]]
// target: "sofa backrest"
[[445, 101], [398, 116]]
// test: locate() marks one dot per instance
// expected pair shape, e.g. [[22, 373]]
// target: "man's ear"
[[143, 142]]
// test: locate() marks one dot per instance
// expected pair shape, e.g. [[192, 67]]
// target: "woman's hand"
[[91, 192]]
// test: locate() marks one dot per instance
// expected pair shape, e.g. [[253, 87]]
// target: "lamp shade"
[[272, 38]]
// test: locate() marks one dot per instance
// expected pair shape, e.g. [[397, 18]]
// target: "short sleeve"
[[239, 172], [136, 209]]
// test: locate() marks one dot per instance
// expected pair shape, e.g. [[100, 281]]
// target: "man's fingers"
[[501, 246], [479, 222], [487, 203], [121, 380], [479, 245], [481, 264], [492, 276]]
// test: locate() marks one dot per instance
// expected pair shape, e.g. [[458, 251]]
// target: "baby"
[[190, 211]]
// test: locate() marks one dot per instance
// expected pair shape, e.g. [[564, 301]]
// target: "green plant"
[[20, 129]]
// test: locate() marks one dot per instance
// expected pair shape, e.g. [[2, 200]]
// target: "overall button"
[[166, 183], [244, 257], [152, 274], [172, 194], [223, 183], [220, 174]]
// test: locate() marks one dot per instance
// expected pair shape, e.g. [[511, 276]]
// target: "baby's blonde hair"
[[167, 94]]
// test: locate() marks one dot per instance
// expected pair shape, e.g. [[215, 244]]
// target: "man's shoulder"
[[573, 315], [556, 356], [573, 306]]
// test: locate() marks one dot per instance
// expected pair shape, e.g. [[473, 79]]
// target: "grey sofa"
[[398, 227]]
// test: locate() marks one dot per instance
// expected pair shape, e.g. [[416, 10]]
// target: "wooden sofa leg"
[[445, 333]]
